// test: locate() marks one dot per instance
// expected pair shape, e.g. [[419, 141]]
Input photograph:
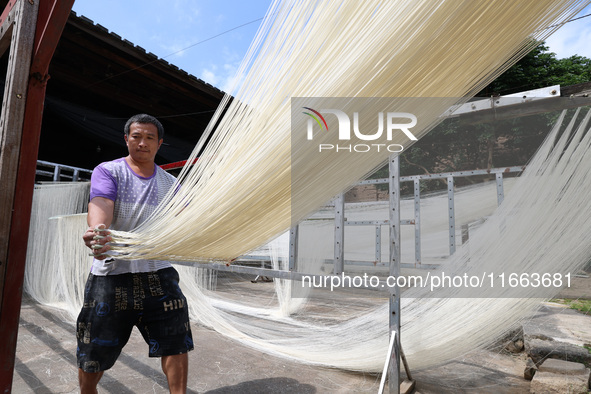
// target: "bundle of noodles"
[[252, 181]]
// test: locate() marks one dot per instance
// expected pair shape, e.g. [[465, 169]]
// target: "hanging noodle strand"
[[244, 191]]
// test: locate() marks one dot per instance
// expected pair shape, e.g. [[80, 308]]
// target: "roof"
[[98, 80]]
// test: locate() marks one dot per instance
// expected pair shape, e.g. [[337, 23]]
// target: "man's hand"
[[96, 239]]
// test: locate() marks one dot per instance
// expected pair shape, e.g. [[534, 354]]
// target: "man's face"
[[143, 142]]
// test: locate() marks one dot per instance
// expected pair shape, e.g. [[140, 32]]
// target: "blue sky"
[[174, 30]]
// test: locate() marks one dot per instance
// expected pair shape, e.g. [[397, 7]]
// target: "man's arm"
[[100, 215]]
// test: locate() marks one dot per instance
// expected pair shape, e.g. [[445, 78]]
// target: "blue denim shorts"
[[114, 304]]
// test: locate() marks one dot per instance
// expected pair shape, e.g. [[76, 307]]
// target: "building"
[[98, 80]]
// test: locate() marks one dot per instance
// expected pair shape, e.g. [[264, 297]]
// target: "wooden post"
[[19, 26], [36, 26]]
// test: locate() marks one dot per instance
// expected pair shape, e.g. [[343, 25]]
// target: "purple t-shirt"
[[136, 198]]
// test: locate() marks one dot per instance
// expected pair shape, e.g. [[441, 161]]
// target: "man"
[[120, 294]]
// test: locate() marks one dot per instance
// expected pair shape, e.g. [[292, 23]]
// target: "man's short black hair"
[[144, 118]]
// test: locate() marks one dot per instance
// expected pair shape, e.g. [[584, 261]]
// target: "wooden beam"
[[40, 33], [23, 15], [6, 27]]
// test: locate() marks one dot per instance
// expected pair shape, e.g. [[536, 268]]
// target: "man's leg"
[[176, 369], [101, 332], [88, 381]]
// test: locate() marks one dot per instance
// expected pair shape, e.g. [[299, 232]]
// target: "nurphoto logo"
[[395, 122]]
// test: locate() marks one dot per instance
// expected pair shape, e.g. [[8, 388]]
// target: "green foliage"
[[583, 306], [453, 146], [537, 69]]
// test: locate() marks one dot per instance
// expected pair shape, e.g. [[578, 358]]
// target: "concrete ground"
[[45, 363]]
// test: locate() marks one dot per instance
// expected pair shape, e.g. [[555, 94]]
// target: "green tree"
[[452, 146], [537, 69]]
